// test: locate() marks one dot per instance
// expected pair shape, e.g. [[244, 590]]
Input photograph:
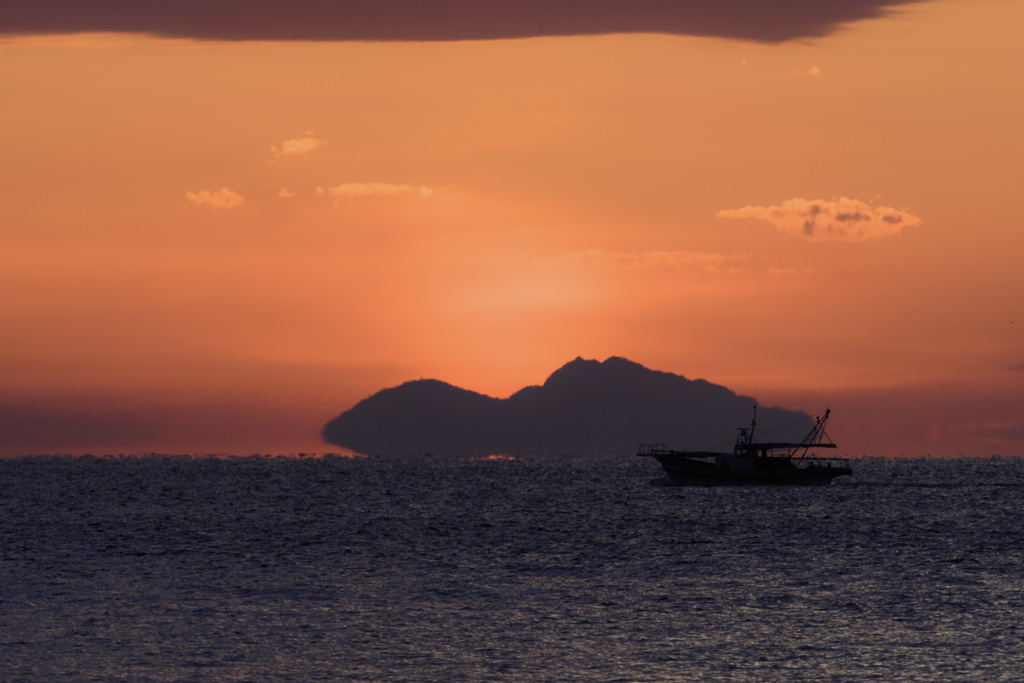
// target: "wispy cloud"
[[770, 22], [689, 261], [813, 71], [357, 190], [216, 199], [285, 193], [843, 219], [298, 146], [791, 271], [989, 431]]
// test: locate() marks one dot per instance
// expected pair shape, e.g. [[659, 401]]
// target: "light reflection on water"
[[533, 569]]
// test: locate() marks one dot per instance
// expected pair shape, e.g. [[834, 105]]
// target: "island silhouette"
[[586, 407], [440, 20]]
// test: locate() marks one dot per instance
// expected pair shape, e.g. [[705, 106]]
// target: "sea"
[[175, 568]]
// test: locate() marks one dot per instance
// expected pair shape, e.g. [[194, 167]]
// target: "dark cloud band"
[[425, 20]]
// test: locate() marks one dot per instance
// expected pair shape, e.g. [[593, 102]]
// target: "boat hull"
[[683, 471]]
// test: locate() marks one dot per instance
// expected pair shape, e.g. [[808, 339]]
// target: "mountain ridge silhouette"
[[586, 407]]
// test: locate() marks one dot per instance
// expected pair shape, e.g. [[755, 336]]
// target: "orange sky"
[[218, 246]]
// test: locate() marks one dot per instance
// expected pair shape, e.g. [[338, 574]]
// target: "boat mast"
[[753, 422], [817, 436], [745, 438]]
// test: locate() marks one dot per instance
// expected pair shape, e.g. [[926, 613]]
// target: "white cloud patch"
[[813, 71], [838, 220], [216, 199], [358, 190], [297, 146], [285, 193], [301, 146]]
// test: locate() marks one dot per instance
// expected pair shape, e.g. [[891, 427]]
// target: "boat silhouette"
[[753, 462]]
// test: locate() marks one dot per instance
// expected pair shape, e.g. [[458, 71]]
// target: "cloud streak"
[[838, 220], [689, 261], [359, 190], [415, 20], [218, 199], [813, 71]]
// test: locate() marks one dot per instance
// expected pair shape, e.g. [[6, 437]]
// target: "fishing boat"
[[753, 462]]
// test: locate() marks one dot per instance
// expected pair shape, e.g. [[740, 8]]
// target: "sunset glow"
[[217, 246]]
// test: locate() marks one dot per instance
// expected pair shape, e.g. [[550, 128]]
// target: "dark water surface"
[[425, 569]]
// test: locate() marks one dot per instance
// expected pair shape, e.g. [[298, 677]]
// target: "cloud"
[[995, 432], [357, 190], [689, 261], [285, 193], [299, 146], [219, 199], [791, 271], [416, 20], [841, 220], [813, 71]]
